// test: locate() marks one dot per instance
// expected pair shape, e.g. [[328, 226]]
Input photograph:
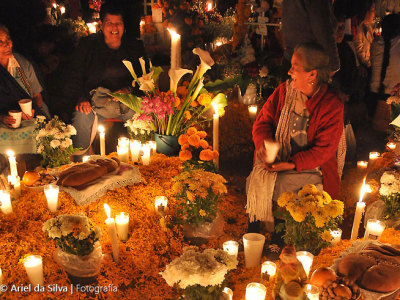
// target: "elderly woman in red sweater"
[[304, 117]]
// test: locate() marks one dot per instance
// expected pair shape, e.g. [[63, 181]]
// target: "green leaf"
[[130, 100], [222, 85], [157, 72]]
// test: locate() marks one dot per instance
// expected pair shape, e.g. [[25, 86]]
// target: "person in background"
[[97, 70], [365, 33], [18, 81]]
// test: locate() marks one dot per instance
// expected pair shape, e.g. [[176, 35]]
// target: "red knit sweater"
[[323, 134]]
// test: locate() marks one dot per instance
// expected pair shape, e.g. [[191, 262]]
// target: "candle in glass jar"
[[13, 163], [374, 229], [391, 146], [51, 192], [34, 268], [228, 293], [306, 259], [122, 221], [336, 236], [231, 247], [135, 146], [312, 292], [123, 154], [268, 269], [85, 158], [252, 112], [161, 204], [112, 232], [255, 291], [146, 154], [5, 201], [153, 147], [92, 27], [374, 155], [102, 140], [361, 164]]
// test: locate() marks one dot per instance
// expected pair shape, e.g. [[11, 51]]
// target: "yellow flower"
[[326, 236], [327, 197], [202, 213], [334, 209], [307, 190], [190, 196], [284, 198], [205, 99], [194, 140]]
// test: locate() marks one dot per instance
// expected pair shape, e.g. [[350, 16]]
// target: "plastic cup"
[[253, 247], [26, 106], [17, 115]]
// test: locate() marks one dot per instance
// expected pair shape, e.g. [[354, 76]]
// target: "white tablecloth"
[[20, 140]]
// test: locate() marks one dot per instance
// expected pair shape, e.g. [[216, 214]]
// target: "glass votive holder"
[[34, 269], [361, 164], [306, 259], [231, 247], [336, 236], [268, 270], [312, 292], [374, 155], [160, 204], [256, 291], [51, 191], [374, 229], [227, 293]]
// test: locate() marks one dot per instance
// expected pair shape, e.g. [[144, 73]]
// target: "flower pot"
[[80, 266], [167, 144], [203, 232]]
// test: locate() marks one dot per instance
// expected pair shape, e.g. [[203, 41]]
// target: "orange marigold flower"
[[187, 115], [202, 212], [194, 140], [215, 153], [185, 155], [177, 102], [182, 91], [205, 99], [194, 103], [183, 138], [191, 130], [185, 83], [185, 146], [202, 134], [203, 144], [206, 155]]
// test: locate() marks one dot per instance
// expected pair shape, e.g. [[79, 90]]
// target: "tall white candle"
[[306, 259], [17, 186], [255, 291], [360, 208], [135, 146], [374, 229], [216, 133], [231, 247], [391, 145], [51, 192], [153, 147], [160, 204], [1, 278], [112, 232], [13, 163], [336, 236], [122, 221], [102, 140], [146, 154], [175, 49], [253, 112], [5, 200], [34, 268]]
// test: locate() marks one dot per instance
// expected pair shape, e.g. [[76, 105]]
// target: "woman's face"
[[5, 45], [113, 29], [369, 17], [300, 78]]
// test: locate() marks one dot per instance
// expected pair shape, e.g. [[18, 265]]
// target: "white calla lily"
[[143, 65], [128, 65], [198, 89], [206, 62], [175, 76], [146, 82]]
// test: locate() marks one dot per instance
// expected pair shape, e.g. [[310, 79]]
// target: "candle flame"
[[108, 210], [54, 5], [365, 188], [62, 10], [142, 23], [173, 33], [101, 128], [10, 153], [215, 106], [209, 6]]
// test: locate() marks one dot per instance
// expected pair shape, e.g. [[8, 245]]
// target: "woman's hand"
[[280, 166], [28, 117], [7, 120], [84, 107], [261, 153]]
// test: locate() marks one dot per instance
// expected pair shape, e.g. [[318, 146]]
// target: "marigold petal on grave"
[[183, 138], [194, 140], [191, 130]]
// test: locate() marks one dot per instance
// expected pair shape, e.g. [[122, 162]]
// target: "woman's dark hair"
[[4, 28], [390, 29], [111, 9], [315, 58], [365, 7]]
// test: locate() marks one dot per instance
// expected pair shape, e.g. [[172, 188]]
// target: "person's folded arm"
[[326, 140]]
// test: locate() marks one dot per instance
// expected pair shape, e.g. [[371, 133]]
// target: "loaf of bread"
[[376, 268], [82, 174]]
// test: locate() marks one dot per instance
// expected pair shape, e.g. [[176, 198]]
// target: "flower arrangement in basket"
[[140, 128], [198, 193], [195, 152], [78, 250], [53, 141], [389, 193], [202, 275], [309, 216], [168, 113]]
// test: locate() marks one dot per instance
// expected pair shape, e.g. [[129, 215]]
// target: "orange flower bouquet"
[[195, 152]]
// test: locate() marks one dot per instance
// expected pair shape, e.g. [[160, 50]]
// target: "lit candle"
[[5, 200], [209, 6], [13, 163], [153, 147], [255, 291], [51, 192], [102, 140], [92, 27], [312, 292], [54, 6], [361, 164], [112, 232], [1, 278], [135, 146], [374, 155], [141, 24], [306, 259], [85, 158], [216, 132], [160, 204], [175, 49], [231, 247], [62, 10], [228, 293], [391, 146], [374, 229], [252, 111], [336, 236], [268, 269], [34, 268], [17, 186], [360, 208], [146, 154], [123, 149], [122, 221]]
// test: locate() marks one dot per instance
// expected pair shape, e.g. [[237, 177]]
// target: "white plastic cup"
[[26, 106], [253, 247], [17, 115]]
